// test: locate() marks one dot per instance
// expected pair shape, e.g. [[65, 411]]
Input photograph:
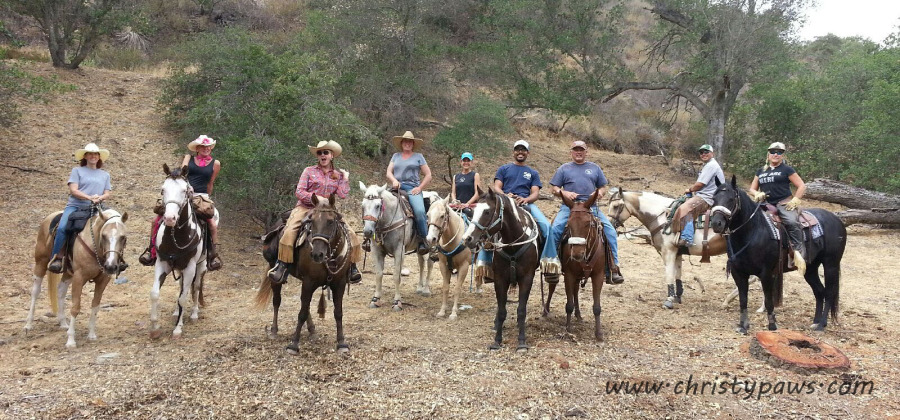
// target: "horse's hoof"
[[741, 330], [155, 334], [668, 304], [176, 336], [440, 314], [70, 344], [426, 293], [375, 303], [452, 317], [292, 349], [522, 348], [194, 318], [817, 327], [272, 335], [494, 346], [479, 291], [773, 327], [343, 348], [92, 337], [678, 299], [397, 308]]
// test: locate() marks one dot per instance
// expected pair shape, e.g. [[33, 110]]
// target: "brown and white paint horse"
[[445, 232], [95, 257], [179, 249]]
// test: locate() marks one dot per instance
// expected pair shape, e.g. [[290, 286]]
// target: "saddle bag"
[[203, 206], [78, 219]]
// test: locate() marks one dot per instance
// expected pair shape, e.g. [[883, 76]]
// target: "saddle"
[[77, 221], [203, 207], [807, 219], [809, 227], [404, 202]]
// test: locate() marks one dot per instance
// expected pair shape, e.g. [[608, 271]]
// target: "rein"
[[592, 243], [94, 250], [728, 214], [331, 257]]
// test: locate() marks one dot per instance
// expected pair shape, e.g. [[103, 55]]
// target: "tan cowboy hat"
[[203, 140], [92, 148], [329, 145], [408, 136]]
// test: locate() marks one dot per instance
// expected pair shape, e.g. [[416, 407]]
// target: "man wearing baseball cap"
[[577, 180], [700, 196]]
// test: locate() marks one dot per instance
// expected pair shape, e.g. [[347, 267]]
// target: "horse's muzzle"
[[718, 223], [471, 242]]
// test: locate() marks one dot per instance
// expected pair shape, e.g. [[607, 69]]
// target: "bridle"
[[96, 207], [331, 264], [729, 213], [376, 219]]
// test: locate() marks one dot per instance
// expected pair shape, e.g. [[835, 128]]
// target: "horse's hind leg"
[[551, 287], [35, 293], [671, 272], [197, 292], [397, 305], [61, 290], [832, 293], [276, 304], [424, 288]]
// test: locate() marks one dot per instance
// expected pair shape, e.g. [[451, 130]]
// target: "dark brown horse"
[[323, 259], [583, 256], [516, 254]]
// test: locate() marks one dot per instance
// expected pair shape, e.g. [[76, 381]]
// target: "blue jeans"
[[60, 238], [418, 206], [559, 225], [539, 218], [687, 232]]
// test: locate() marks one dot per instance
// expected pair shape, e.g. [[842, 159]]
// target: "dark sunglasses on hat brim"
[[776, 152]]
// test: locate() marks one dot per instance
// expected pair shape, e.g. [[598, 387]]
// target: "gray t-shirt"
[[710, 171], [89, 181], [582, 179], [407, 170]]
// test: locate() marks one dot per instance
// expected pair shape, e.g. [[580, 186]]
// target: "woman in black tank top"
[[463, 190]]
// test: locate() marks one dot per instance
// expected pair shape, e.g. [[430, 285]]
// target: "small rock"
[[106, 357], [121, 280]]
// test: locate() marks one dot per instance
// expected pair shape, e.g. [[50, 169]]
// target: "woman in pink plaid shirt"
[[321, 179]]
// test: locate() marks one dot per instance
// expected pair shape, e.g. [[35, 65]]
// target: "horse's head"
[[372, 206], [582, 226], [486, 217], [111, 239], [726, 205], [324, 228], [174, 193], [618, 212], [438, 219]]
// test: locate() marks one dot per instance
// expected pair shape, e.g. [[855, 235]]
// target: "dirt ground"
[[406, 364]]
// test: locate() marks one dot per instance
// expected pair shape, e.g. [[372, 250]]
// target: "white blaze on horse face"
[[434, 217], [174, 194], [477, 212], [371, 205]]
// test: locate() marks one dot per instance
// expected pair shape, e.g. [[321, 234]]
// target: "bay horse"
[[753, 251], [95, 257], [445, 233], [395, 235], [652, 210], [583, 256], [517, 246], [322, 260], [179, 249]]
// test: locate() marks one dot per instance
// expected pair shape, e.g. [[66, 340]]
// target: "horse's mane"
[[111, 213]]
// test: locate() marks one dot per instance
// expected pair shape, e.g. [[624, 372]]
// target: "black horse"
[[752, 251], [322, 260], [516, 253]]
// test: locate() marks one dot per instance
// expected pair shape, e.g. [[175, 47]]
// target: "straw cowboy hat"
[[203, 140], [329, 145], [408, 136], [92, 148]]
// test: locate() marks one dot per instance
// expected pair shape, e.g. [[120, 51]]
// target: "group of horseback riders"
[[90, 185]]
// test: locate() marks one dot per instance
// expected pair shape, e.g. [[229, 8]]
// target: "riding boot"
[[57, 264], [355, 276], [147, 258], [122, 265], [278, 273], [366, 245], [433, 255], [615, 276], [213, 262], [423, 248]]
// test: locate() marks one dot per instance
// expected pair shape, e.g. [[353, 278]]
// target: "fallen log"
[[890, 217], [824, 189]]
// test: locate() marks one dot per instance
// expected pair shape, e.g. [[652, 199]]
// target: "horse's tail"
[[264, 294], [777, 287], [321, 310], [835, 300]]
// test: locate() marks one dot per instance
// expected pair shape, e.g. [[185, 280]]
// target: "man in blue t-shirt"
[[577, 180], [522, 184]]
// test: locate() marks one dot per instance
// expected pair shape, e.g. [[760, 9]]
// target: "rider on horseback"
[[577, 180], [403, 173], [321, 179], [772, 183], [698, 203], [463, 190]]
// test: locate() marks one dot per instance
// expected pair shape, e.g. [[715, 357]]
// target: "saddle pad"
[[774, 231], [807, 219]]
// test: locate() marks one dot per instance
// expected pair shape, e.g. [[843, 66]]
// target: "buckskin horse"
[[756, 247], [323, 260], [179, 249], [445, 233], [516, 252], [95, 257], [395, 235], [583, 256]]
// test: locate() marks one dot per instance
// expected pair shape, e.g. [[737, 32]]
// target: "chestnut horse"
[[445, 233]]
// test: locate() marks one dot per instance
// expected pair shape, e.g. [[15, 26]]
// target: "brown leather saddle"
[[807, 219]]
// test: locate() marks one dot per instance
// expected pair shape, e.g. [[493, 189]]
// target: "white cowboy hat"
[[329, 145], [398, 140], [777, 146], [92, 148], [203, 140]]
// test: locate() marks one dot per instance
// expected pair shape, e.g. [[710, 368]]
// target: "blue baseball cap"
[[467, 155]]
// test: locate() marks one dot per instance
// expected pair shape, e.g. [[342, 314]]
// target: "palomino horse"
[[395, 235], [323, 260], [652, 210], [179, 249], [445, 232], [583, 256], [497, 215], [95, 256], [753, 251]]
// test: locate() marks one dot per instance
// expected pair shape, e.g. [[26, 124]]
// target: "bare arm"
[[453, 191], [696, 187], [475, 196], [535, 193], [390, 176], [754, 186], [798, 182], [186, 160], [75, 192], [498, 185], [212, 179]]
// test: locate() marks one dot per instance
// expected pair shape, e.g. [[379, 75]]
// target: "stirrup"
[[57, 265], [355, 276], [214, 263], [147, 258], [278, 273]]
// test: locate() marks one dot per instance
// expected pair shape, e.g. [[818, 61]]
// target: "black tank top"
[[465, 186], [199, 176]]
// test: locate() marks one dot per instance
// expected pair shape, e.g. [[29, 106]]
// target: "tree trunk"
[[824, 189], [875, 217]]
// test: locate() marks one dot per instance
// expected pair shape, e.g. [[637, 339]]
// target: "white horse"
[[179, 249], [445, 232], [394, 235]]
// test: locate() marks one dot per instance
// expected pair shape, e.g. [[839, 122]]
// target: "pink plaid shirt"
[[316, 181]]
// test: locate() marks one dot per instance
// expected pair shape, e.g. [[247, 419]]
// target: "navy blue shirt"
[[518, 179]]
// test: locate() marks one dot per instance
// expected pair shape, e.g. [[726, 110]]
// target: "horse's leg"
[[77, 286], [741, 281], [462, 268], [276, 304], [669, 256], [37, 279], [571, 301], [832, 292], [306, 292], [99, 286], [424, 288], [338, 299], [198, 289], [815, 283], [445, 274], [378, 256], [767, 279], [501, 287], [159, 278], [597, 280], [521, 311], [61, 290], [397, 304], [184, 298], [679, 286], [551, 287]]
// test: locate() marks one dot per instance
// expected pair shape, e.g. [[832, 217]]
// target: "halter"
[[380, 233], [330, 259], [591, 242], [442, 228], [96, 207], [728, 214]]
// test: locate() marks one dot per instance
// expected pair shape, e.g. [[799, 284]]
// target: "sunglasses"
[[520, 149], [323, 152], [776, 152], [703, 152]]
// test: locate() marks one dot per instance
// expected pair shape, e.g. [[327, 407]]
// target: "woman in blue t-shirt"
[[403, 173], [772, 183], [463, 191], [88, 185]]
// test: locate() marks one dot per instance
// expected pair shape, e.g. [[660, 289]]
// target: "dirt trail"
[[407, 364]]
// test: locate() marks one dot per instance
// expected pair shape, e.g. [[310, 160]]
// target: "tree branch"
[[695, 100]]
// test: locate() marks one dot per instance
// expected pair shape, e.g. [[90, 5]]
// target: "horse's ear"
[[184, 171], [362, 186], [718, 183], [125, 217], [569, 203], [479, 191], [592, 198], [384, 187], [331, 200], [166, 169], [315, 200], [734, 181], [447, 199]]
